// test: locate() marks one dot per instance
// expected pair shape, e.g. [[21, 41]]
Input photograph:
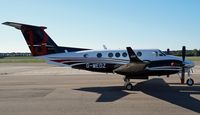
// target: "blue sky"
[[142, 24]]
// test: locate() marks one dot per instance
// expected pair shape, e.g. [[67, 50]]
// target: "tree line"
[[13, 54], [194, 52]]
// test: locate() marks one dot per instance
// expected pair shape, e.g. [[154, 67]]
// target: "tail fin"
[[38, 41]]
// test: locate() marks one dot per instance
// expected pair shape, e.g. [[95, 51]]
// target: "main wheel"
[[190, 82], [129, 86], [126, 80]]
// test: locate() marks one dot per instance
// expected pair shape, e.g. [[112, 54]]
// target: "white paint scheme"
[[147, 54]]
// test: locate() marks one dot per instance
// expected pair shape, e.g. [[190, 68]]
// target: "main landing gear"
[[128, 84]]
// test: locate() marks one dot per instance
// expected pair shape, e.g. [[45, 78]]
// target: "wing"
[[132, 56], [136, 65]]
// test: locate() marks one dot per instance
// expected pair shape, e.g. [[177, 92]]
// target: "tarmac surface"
[[41, 89]]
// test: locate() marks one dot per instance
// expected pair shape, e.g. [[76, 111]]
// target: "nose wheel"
[[190, 82]]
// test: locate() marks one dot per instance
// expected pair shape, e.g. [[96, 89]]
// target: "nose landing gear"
[[190, 81]]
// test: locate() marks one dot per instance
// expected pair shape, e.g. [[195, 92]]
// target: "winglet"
[[133, 57]]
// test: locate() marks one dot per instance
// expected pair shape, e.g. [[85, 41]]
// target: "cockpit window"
[[158, 53], [161, 53], [155, 53]]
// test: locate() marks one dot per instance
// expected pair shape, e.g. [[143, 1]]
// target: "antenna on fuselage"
[[104, 47]]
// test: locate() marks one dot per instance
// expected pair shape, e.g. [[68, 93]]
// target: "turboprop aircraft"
[[133, 64]]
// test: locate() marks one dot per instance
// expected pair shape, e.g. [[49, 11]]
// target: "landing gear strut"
[[128, 84], [189, 81]]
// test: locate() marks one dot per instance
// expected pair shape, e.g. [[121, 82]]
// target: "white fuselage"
[[101, 57]]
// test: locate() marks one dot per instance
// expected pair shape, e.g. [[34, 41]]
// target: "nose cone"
[[189, 64]]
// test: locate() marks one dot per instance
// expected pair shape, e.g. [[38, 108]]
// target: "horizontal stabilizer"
[[19, 25]]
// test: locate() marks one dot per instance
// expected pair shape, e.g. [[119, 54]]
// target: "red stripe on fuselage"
[[59, 61]]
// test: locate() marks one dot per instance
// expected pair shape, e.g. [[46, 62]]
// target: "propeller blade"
[[183, 75], [183, 53], [168, 51], [183, 65]]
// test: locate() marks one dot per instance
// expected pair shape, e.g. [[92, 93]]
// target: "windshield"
[[161, 53]]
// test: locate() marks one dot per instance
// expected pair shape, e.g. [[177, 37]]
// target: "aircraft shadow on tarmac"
[[158, 88]]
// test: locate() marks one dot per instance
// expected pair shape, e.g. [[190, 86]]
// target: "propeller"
[[183, 65], [168, 51], [183, 53]]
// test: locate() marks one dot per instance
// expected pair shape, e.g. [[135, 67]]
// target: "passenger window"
[[139, 54], [117, 54], [99, 55], [124, 54], [85, 55], [110, 55]]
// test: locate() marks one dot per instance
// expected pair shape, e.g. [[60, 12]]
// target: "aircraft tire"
[[129, 86], [190, 82]]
